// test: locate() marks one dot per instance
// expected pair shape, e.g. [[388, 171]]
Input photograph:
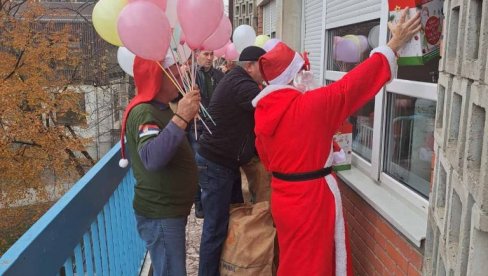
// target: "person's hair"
[[243, 64]]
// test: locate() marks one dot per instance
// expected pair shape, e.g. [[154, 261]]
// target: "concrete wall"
[[457, 235]]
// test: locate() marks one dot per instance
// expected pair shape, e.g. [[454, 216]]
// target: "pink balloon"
[[144, 30], [220, 37], [160, 3], [270, 44], [199, 19], [221, 51], [347, 51], [231, 52], [182, 38]]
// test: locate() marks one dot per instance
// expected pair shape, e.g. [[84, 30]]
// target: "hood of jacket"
[[271, 105]]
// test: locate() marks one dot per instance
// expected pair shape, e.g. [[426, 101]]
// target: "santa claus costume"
[[294, 133]]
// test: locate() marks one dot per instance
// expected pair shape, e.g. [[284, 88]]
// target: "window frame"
[[424, 90]]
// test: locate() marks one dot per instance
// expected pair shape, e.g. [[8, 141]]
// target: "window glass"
[[350, 45], [362, 131], [409, 141]]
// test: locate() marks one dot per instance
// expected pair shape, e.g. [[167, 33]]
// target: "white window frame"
[[374, 169]]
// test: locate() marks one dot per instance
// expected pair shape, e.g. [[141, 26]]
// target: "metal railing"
[[89, 231]]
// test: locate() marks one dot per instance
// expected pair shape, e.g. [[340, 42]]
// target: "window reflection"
[[410, 140], [350, 45]]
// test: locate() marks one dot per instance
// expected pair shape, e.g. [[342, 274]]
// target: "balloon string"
[[182, 93]]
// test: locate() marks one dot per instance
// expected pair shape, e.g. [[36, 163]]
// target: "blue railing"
[[89, 231]]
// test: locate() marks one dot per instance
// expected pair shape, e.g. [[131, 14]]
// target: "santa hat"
[[148, 80], [280, 65]]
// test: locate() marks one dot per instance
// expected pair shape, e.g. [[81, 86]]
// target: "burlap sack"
[[249, 247]]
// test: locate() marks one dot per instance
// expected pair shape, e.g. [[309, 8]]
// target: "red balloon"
[[199, 19]]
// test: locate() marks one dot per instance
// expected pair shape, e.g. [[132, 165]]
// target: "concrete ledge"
[[405, 217]]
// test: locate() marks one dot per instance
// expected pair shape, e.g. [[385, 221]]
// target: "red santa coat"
[[294, 134]]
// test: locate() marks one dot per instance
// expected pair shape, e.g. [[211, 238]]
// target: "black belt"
[[303, 176]]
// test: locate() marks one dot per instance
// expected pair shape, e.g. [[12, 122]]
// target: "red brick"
[[384, 258], [398, 258], [400, 272], [380, 239], [416, 258], [412, 271]]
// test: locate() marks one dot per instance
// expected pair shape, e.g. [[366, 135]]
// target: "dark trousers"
[[221, 186]]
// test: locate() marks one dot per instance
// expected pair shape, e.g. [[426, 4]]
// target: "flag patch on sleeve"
[[148, 130]]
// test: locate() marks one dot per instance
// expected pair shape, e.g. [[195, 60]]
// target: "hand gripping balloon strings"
[[173, 80]]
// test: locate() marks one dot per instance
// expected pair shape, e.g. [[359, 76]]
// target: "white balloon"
[[171, 12], [126, 60], [244, 36]]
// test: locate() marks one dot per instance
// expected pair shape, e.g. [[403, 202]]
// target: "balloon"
[[374, 36], [145, 30], [199, 19], [220, 37], [231, 52], [104, 16], [221, 51], [171, 13], [363, 42], [347, 51], [160, 3], [270, 44], [244, 36], [126, 60], [261, 40], [182, 38]]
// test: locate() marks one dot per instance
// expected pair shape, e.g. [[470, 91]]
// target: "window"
[[410, 141], [393, 133], [250, 8], [350, 45], [243, 9], [237, 11], [247, 21]]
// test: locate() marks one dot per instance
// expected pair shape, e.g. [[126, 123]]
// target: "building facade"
[[244, 13], [415, 199], [457, 234]]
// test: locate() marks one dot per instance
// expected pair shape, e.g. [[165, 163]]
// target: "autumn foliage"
[[37, 63]]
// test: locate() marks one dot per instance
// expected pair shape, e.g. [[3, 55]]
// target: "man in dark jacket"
[[230, 145], [207, 79]]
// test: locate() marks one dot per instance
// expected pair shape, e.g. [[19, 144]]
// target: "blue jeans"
[[221, 186], [165, 241]]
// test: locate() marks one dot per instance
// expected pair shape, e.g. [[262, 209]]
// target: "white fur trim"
[[123, 163], [390, 56], [340, 229], [270, 89], [290, 72]]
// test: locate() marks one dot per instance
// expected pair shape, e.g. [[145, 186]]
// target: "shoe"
[[198, 210]]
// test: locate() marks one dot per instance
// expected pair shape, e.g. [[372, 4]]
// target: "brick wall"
[[260, 21], [377, 248]]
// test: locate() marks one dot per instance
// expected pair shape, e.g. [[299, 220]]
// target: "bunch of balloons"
[[349, 48], [148, 28]]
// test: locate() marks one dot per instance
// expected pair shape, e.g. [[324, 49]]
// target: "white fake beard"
[[304, 81]]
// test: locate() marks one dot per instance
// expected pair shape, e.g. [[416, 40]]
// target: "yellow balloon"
[[261, 40], [104, 16]]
